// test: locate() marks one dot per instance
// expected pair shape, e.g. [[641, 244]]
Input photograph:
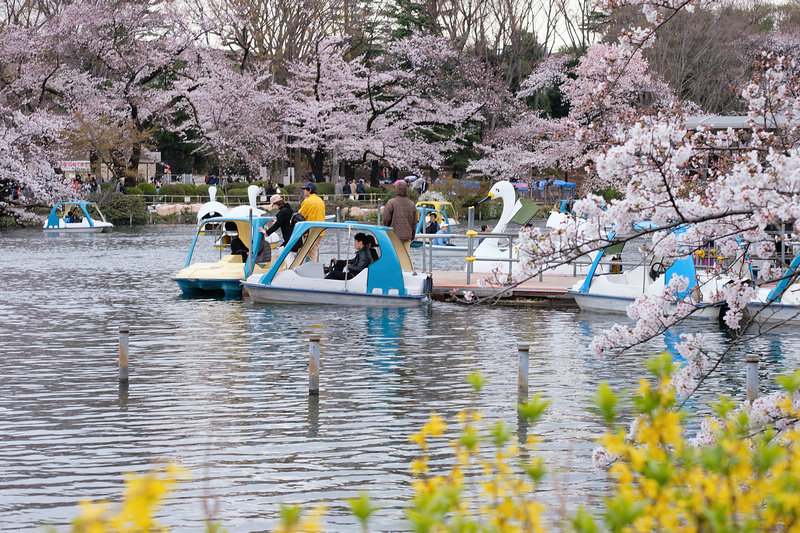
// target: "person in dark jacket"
[[283, 220], [355, 265], [432, 226], [238, 247]]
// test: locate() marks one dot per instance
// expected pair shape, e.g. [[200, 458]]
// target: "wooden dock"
[[549, 291]]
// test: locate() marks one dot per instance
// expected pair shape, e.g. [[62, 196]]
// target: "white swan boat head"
[[389, 281], [244, 210], [76, 217], [212, 208]]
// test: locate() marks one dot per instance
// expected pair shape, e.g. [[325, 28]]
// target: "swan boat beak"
[[490, 197]]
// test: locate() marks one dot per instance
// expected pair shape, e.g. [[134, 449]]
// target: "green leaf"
[[661, 366], [363, 508], [621, 512], [469, 438], [660, 471], [723, 406], [476, 380], [290, 515], [606, 401], [533, 409], [583, 522], [767, 455], [790, 382], [535, 469], [500, 433]]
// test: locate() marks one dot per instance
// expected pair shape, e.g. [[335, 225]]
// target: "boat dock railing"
[[473, 238]]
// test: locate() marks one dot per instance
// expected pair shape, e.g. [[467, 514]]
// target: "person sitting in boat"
[[355, 265], [371, 245], [442, 231], [432, 226], [264, 254], [484, 229], [238, 247], [74, 216]]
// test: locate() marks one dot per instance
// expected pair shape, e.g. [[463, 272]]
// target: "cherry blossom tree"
[[406, 107], [235, 113], [721, 186], [606, 89]]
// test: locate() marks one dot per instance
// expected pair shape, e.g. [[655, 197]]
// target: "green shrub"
[[189, 189], [147, 188], [135, 191], [202, 191], [292, 188], [106, 186], [172, 189], [325, 188], [237, 191], [237, 185], [118, 208]]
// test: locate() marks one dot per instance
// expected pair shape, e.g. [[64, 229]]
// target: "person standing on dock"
[[401, 214], [313, 210]]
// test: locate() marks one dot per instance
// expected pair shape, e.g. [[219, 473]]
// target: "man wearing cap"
[[401, 214], [313, 210]]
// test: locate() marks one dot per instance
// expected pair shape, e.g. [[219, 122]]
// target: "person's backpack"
[[296, 217]]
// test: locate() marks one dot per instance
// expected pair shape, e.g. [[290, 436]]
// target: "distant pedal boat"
[[390, 281], [614, 290], [92, 219]]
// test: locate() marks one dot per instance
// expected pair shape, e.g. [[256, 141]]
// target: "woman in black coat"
[[283, 220]]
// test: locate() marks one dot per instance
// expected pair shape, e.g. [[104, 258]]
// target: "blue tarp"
[[542, 184]]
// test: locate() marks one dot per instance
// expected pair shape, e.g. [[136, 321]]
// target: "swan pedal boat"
[[615, 290], [498, 253], [226, 274], [780, 303], [93, 219], [390, 281]]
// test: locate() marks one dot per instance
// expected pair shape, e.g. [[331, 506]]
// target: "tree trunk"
[[318, 164], [375, 174]]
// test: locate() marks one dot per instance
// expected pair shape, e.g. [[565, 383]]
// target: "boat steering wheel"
[[656, 270]]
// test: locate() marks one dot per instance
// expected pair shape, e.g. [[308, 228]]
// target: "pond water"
[[221, 386]]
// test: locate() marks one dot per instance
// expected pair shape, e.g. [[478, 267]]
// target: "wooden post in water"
[[130, 220], [522, 377], [313, 364], [752, 377], [123, 353]]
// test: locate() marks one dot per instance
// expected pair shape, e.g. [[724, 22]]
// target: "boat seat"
[[232, 258], [311, 270]]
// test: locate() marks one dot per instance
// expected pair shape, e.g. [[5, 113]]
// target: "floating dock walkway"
[[547, 291]]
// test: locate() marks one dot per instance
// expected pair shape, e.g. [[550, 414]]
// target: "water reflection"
[[222, 386]]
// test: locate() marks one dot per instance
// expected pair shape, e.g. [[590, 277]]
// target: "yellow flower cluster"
[[490, 486], [142, 498], [745, 476], [746, 479]]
